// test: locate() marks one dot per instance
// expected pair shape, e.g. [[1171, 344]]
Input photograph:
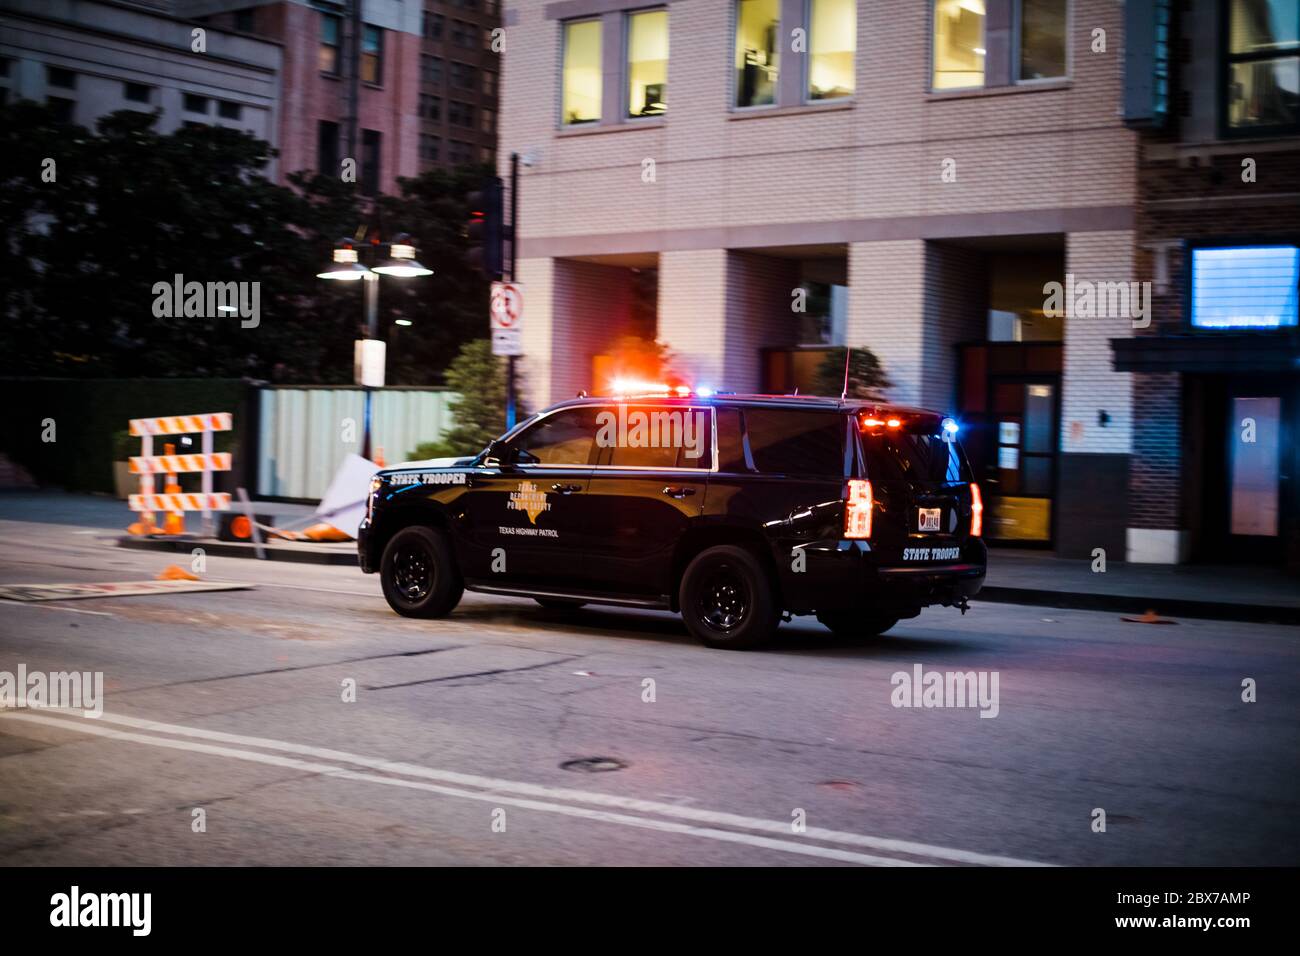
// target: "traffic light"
[[485, 229]]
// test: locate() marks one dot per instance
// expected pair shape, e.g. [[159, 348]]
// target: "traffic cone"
[[1149, 617], [379, 457], [174, 572], [174, 522]]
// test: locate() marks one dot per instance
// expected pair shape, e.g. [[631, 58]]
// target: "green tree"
[[479, 409], [129, 208], [867, 378]]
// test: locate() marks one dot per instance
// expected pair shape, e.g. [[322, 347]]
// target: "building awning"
[[1249, 352]]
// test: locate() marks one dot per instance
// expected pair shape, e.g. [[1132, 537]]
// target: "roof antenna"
[[848, 351]]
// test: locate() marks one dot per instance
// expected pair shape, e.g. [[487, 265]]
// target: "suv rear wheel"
[[726, 599], [419, 574], [857, 623]]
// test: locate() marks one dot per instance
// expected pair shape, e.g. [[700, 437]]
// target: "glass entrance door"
[[1254, 460], [1024, 426]]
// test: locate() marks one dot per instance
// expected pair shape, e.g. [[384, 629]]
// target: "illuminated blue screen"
[[1246, 287]]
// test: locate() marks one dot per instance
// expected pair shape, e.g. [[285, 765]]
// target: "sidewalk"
[[1219, 592]]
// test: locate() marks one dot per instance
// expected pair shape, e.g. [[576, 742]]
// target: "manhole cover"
[[593, 765]]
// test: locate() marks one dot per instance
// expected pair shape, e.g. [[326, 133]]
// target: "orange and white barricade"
[[173, 502]]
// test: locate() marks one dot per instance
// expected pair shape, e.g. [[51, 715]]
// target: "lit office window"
[[1042, 39], [958, 44], [582, 78], [1263, 64], [372, 55], [1246, 287], [647, 63], [758, 23], [328, 57], [833, 39]]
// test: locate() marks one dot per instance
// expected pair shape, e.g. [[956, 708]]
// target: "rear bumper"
[[849, 575]]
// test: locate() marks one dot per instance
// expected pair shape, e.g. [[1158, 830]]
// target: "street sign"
[[507, 313], [368, 357]]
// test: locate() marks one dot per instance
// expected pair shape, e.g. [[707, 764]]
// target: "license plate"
[[928, 519]]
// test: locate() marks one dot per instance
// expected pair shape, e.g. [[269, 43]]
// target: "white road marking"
[[711, 817], [497, 799]]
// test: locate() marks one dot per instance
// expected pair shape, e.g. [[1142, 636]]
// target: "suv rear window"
[[903, 456], [794, 442]]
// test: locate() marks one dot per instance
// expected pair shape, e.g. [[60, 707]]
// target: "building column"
[[537, 277], [759, 314], [886, 305], [1096, 401], [692, 313], [573, 311]]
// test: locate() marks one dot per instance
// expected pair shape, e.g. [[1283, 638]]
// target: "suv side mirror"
[[501, 454]]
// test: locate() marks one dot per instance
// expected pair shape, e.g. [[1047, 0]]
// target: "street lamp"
[[401, 259], [345, 265]]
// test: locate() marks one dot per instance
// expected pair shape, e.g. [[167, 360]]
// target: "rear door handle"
[[566, 489], [673, 491]]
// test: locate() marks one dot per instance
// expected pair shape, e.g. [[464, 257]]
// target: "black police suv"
[[730, 509]]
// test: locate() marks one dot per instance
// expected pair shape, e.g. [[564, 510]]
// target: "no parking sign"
[[507, 311]]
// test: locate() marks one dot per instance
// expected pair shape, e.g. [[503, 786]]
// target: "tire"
[[419, 574], [726, 599], [560, 604], [857, 623]]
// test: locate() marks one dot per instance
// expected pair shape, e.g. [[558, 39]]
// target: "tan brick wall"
[[758, 315], [886, 305], [1015, 150], [573, 311], [692, 296], [1090, 385]]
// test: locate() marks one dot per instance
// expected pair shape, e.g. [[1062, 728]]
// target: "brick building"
[[912, 174], [1216, 465], [88, 58], [459, 79], [350, 82]]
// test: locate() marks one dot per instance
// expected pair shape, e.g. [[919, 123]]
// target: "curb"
[[234, 549], [1131, 604]]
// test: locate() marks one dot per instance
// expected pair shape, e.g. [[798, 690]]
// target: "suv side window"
[[565, 438], [731, 442], [796, 442], [643, 436]]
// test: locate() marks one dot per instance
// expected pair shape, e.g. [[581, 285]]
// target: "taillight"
[[857, 509], [976, 511]]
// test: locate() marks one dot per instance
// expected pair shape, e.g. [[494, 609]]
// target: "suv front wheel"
[[726, 599], [419, 573]]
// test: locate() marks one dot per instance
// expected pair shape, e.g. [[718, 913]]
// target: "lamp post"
[[345, 265]]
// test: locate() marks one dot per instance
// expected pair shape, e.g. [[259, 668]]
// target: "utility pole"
[[371, 282], [514, 246]]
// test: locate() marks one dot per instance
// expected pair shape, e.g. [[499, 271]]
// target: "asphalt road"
[[454, 749]]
